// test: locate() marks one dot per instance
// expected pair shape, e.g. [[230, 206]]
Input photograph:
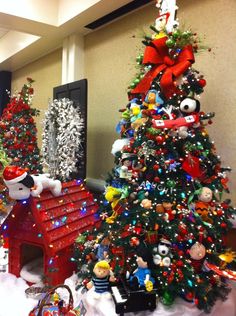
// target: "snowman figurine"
[[161, 253]]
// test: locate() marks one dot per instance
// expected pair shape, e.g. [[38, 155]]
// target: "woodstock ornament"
[[21, 185]]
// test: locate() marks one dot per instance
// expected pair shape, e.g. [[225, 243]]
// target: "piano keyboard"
[[119, 295]]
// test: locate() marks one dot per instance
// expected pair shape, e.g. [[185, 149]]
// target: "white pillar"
[[73, 58]]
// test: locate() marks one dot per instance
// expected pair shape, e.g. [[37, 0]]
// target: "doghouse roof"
[[58, 219]]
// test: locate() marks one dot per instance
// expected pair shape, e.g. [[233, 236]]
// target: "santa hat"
[[13, 174]]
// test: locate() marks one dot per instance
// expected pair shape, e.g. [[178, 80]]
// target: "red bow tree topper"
[[158, 55]]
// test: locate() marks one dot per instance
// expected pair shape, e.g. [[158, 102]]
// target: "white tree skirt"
[[14, 302]]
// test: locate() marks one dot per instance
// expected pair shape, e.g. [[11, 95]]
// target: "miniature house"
[[43, 229]]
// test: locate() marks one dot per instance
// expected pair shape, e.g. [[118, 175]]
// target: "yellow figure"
[[227, 257], [113, 196]]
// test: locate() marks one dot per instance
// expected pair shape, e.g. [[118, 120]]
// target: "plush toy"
[[135, 109], [21, 185], [102, 248], [166, 209], [161, 253], [101, 280], [189, 105], [204, 205], [197, 251], [141, 277], [152, 100], [113, 196]]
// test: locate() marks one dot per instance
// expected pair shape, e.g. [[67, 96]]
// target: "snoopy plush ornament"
[[21, 185]]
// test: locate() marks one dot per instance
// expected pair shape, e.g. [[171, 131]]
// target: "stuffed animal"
[[101, 280], [204, 205], [21, 185], [189, 105], [141, 277], [161, 253], [102, 248], [153, 100], [166, 209], [113, 196]]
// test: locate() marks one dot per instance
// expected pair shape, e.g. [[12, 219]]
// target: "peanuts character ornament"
[[204, 205], [161, 253], [101, 280], [166, 209], [141, 277], [21, 185]]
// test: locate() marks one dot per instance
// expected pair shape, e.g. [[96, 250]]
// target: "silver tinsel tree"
[[62, 138]]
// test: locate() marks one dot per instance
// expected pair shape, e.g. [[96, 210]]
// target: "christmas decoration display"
[[41, 231], [21, 185], [62, 139], [18, 130], [164, 197], [4, 199]]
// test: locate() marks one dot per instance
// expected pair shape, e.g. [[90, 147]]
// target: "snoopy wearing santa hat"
[[21, 185]]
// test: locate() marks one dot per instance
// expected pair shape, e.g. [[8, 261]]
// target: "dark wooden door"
[[5, 85], [77, 92]]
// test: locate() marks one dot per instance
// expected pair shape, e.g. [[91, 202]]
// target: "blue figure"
[[142, 274]]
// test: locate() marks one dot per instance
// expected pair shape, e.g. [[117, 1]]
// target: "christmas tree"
[[18, 130], [164, 206], [4, 198]]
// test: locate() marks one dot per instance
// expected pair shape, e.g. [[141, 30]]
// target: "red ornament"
[[31, 148], [22, 120], [202, 83], [156, 167], [223, 225], [134, 241], [157, 179], [160, 139]]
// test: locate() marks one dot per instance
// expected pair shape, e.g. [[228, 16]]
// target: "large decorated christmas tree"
[[18, 130], [164, 218]]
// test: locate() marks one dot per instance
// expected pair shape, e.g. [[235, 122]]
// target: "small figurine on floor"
[[101, 280], [141, 278], [21, 185]]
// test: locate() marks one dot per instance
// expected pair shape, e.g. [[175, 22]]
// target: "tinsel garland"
[[62, 138]]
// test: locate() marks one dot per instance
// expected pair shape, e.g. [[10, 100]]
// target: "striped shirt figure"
[[102, 277], [101, 284]]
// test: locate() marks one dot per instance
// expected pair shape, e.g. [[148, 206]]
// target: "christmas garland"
[[62, 138]]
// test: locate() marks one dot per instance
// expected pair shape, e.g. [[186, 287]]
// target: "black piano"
[[127, 300]]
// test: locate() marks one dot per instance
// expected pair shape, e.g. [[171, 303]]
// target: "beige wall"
[[110, 66], [47, 74]]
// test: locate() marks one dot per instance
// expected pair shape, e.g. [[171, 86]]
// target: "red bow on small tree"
[[158, 55]]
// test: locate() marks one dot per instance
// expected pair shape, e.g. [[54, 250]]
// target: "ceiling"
[[31, 29]]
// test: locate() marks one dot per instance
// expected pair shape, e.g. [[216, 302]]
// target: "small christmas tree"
[[18, 130], [164, 196]]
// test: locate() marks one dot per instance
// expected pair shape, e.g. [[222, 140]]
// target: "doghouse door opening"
[[32, 268]]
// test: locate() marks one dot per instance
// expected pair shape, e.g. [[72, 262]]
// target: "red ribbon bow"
[[158, 55]]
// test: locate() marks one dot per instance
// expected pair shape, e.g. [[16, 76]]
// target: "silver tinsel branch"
[[62, 138]]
